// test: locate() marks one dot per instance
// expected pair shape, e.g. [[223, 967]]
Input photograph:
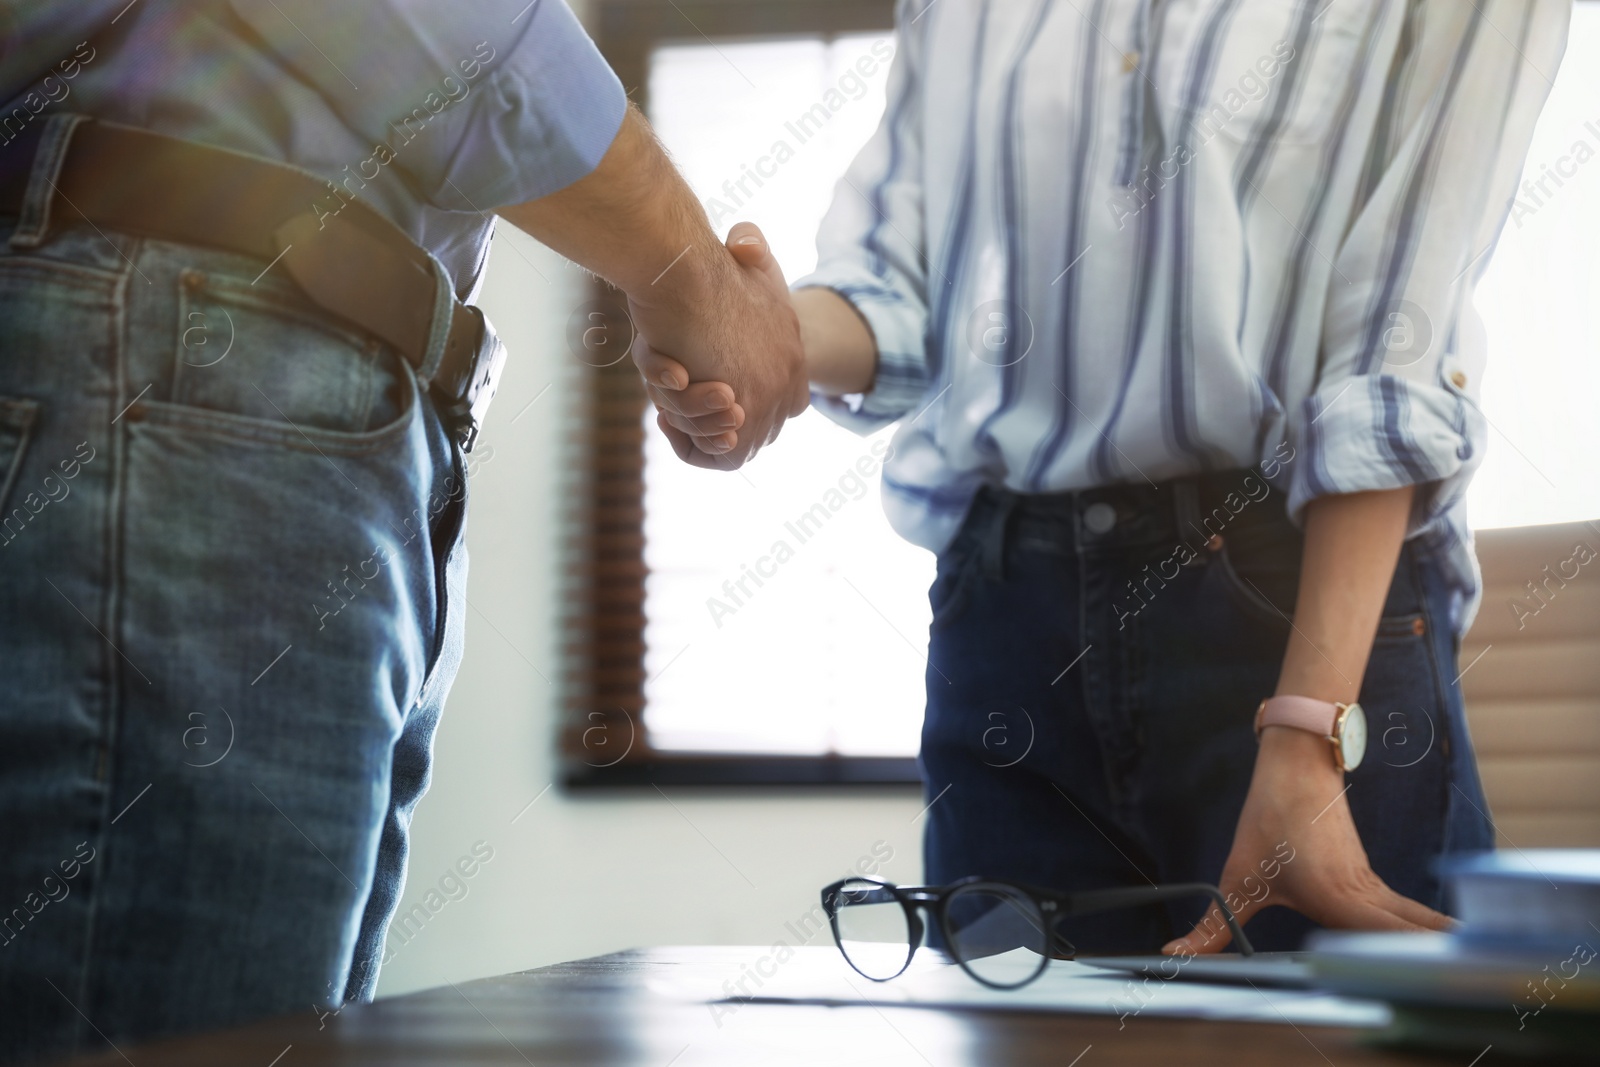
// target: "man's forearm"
[[632, 220], [1352, 542]]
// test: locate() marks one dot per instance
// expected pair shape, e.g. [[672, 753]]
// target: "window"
[[1539, 299], [704, 653]]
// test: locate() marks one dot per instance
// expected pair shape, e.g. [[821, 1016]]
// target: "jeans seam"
[[23, 425], [1447, 801], [116, 446]]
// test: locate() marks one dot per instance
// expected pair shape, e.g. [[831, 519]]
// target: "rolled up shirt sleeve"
[[478, 103], [1402, 348], [871, 251]]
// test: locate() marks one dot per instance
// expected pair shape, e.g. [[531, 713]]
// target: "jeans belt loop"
[[463, 389], [33, 223], [444, 306], [994, 538]]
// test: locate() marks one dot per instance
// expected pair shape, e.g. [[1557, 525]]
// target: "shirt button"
[[1460, 379], [1099, 517]]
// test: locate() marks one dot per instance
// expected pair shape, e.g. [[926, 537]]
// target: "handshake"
[[718, 333], [720, 352]]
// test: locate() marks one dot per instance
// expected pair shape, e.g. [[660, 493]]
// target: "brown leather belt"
[[354, 263]]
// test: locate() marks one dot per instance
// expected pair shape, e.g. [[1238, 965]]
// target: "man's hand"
[[732, 330], [1296, 845]]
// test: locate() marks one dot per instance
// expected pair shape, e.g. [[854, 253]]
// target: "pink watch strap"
[[1303, 713]]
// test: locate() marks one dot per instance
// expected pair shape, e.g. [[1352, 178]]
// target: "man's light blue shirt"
[[434, 113]]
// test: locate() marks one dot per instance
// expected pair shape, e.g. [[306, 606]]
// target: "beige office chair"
[[1532, 683]]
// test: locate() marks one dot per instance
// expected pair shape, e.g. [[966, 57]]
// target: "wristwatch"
[[1344, 725]]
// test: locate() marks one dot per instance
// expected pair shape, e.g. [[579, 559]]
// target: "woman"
[[1172, 301]]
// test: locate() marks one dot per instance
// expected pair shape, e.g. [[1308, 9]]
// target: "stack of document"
[[1521, 972]]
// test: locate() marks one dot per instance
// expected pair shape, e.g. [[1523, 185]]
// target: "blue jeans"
[[1130, 764], [231, 597]]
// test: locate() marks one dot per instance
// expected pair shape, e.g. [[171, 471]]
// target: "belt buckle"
[[468, 380]]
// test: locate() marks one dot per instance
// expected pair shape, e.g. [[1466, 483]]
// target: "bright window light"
[[1540, 303], [784, 616]]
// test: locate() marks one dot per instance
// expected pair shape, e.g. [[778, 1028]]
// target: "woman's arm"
[[1352, 542], [1296, 806], [841, 353]]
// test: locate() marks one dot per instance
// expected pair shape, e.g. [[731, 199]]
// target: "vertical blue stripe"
[[1178, 401], [942, 302], [1291, 299], [1383, 129], [1012, 177], [897, 119], [1408, 225], [1149, 220], [1259, 145], [1068, 351]]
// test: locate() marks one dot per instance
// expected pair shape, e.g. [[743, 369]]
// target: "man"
[[238, 378], [1174, 298]]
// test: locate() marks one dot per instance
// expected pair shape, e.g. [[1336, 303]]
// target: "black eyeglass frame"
[[1052, 905]]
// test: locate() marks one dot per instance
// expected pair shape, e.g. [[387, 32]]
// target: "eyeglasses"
[[1001, 933]]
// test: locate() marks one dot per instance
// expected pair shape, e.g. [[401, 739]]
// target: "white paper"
[[821, 976]]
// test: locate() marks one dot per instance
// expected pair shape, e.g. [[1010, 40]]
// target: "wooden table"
[[625, 1009]]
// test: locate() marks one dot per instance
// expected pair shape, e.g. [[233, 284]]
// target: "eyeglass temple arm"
[[1107, 899]]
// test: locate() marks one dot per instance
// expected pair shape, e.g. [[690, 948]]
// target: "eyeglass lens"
[[997, 933], [873, 931]]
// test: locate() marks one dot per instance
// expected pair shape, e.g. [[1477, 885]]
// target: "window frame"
[[603, 677]]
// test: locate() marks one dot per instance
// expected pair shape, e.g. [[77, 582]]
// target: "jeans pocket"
[[258, 351], [1259, 570]]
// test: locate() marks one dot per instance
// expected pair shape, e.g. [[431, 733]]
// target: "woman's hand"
[[1296, 845], [704, 420]]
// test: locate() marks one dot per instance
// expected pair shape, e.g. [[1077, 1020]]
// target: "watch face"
[[1352, 731]]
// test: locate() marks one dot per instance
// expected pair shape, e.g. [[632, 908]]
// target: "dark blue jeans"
[[1095, 663], [230, 608]]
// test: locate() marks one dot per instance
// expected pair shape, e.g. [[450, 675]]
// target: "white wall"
[[576, 876]]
